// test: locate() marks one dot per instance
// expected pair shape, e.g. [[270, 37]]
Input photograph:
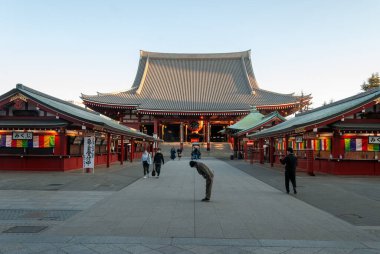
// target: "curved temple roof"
[[195, 83]]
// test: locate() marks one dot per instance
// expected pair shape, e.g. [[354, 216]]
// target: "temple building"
[[192, 97]]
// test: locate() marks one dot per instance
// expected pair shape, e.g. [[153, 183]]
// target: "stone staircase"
[[217, 149]]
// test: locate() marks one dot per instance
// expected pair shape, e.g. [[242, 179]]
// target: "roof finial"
[[253, 109]]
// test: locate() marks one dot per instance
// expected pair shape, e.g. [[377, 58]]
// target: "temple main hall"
[[192, 97]]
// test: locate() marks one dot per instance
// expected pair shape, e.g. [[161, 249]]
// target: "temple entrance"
[[215, 136], [147, 129], [172, 133]]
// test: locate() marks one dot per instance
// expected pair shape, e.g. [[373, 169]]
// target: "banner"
[[36, 141], [359, 144], [89, 152]]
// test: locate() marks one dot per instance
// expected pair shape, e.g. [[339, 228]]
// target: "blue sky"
[[64, 48]]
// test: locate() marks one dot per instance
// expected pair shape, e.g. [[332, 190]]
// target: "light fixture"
[[342, 119], [57, 117]]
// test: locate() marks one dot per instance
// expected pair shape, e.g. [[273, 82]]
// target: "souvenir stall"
[[340, 138], [41, 132]]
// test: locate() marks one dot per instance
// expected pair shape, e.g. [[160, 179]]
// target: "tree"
[[372, 82]]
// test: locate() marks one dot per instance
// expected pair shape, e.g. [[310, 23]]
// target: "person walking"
[[179, 153], [146, 161], [290, 162], [157, 159], [207, 174], [172, 153]]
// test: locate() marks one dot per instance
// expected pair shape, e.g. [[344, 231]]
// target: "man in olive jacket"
[[290, 162], [207, 174]]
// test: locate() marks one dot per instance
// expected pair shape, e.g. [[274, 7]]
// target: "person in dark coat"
[[172, 153], [157, 159], [207, 174], [290, 162]]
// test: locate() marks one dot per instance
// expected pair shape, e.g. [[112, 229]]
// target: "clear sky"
[[64, 48]]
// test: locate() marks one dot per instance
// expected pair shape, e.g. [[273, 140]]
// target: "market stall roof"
[[264, 121], [356, 126], [248, 121], [53, 123], [73, 113], [323, 115]]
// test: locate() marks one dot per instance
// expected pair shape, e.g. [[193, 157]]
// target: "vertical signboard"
[[89, 153]]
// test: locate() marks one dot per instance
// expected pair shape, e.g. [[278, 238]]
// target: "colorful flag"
[[3, 141], [347, 144], [36, 141], [358, 142], [8, 141]]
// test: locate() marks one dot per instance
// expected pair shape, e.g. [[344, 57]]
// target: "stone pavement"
[[166, 215]]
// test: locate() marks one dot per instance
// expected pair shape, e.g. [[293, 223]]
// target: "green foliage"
[[372, 82]]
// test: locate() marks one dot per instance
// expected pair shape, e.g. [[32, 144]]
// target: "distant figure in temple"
[[172, 153]]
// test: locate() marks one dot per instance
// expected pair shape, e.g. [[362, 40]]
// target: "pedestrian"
[[207, 174], [179, 153], [146, 161], [158, 158], [172, 153], [290, 162]]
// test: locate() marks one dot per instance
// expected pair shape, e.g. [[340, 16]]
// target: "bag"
[[149, 160]]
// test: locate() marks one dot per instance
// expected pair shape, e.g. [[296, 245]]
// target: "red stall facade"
[[41, 132], [341, 138]]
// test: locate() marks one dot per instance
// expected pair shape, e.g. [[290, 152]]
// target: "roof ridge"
[[195, 55], [31, 90], [105, 94], [353, 97]]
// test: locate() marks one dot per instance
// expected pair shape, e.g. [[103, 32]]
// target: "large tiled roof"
[[194, 82], [321, 114], [75, 112]]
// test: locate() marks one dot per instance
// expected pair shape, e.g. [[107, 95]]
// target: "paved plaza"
[[117, 211]]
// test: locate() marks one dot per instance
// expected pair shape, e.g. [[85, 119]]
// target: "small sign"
[[250, 143], [299, 139], [309, 135], [22, 135], [374, 140]]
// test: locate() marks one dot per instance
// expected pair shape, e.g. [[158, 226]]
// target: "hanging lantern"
[[195, 126]]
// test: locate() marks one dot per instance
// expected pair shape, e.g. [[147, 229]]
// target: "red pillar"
[[286, 143], [261, 150], [208, 135], [271, 151], [181, 136], [63, 142], [155, 130], [108, 149], [132, 149], [337, 145], [310, 158], [122, 150], [235, 142], [245, 151]]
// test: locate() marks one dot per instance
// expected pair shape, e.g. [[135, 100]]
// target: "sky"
[[326, 48]]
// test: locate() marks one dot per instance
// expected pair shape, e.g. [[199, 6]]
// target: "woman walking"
[[146, 161]]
